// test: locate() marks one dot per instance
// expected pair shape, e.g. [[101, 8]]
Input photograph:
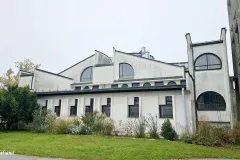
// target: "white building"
[[133, 85]]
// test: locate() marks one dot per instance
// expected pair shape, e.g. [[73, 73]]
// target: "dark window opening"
[[95, 87], [211, 101], [165, 111], [124, 86], [158, 83], [86, 88], [135, 84], [89, 109], [106, 109], [171, 83], [207, 61], [183, 82], [77, 88], [86, 75], [125, 71], [73, 109], [133, 110], [58, 108], [114, 86], [147, 84]]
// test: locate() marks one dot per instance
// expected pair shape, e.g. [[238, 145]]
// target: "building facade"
[[234, 25], [127, 86]]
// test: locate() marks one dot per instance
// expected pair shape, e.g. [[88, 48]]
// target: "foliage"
[[105, 147], [11, 79], [167, 131], [108, 126], [137, 127], [152, 125], [40, 122], [78, 130], [62, 126], [17, 104], [211, 136], [52, 123]]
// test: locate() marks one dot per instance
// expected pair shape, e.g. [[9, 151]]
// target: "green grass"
[[104, 148]]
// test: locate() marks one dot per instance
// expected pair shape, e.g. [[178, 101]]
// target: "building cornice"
[[206, 43]]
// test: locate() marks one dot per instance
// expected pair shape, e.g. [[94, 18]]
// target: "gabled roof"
[[132, 54], [76, 64]]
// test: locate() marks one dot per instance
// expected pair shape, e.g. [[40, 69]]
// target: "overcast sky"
[[60, 33]]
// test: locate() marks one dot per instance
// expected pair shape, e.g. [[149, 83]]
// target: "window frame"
[[211, 109], [121, 77], [90, 107], [168, 103], [108, 106], [136, 104], [159, 82], [212, 54], [137, 85], [59, 107], [84, 71], [171, 84], [74, 108]]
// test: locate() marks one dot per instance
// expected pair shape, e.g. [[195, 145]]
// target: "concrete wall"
[[145, 68], [44, 81], [103, 75], [148, 104], [25, 81]]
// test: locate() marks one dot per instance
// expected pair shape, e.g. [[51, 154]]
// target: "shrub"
[[236, 133], [108, 126], [137, 127], [62, 126], [98, 126], [153, 127], [167, 131], [40, 122], [52, 123]]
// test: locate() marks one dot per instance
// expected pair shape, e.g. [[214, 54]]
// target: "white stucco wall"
[[25, 81], [103, 75], [49, 82], [145, 68], [148, 104]]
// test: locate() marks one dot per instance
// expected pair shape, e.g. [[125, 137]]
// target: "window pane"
[[147, 84], [201, 61], [86, 75], [166, 112], [158, 83], [126, 71], [172, 83], [135, 84], [124, 86], [114, 86], [106, 110], [212, 59], [136, 100], [169, 100], [133, 111], [86, 87], [201, 67], [95, 87], [216, 66], [183, 82]]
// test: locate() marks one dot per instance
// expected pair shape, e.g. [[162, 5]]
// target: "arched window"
[[207, 61], [171, 83], [86, 75], [85, 88], [125, 71], [124, 86], [211, 101], [147, 84]]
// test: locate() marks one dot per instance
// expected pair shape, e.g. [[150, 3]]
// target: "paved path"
[[21, 157]]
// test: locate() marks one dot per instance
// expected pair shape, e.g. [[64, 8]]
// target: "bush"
[[136, 127], [62, 126], [108, 126], [153, 127], [167, 131], [40, 122], [236, 133], [52, 123]]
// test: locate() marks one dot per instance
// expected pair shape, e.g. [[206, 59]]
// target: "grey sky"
[[59, 33]]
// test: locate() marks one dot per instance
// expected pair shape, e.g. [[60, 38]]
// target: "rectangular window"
[[165, 111], [183, 82], [114, 86], [133, 110], [95, 87], [90, 107], [158, 83], [135, 84], [106, 109], [73, 109], [58, 108], [77, 88], [45, 107]]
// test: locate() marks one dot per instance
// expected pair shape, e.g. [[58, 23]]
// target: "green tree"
[[167, 131], [11, 79], [17, 104]]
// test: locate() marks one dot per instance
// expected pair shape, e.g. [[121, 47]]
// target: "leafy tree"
[[17, 104], [11, 79], [167, 131]]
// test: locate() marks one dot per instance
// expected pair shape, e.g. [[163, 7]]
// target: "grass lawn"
[[103, 147]]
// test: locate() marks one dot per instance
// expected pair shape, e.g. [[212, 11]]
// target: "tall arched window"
[[211, 101], [86, 75], [147, 84], [171, 83], [125, 71], [208, 61]]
